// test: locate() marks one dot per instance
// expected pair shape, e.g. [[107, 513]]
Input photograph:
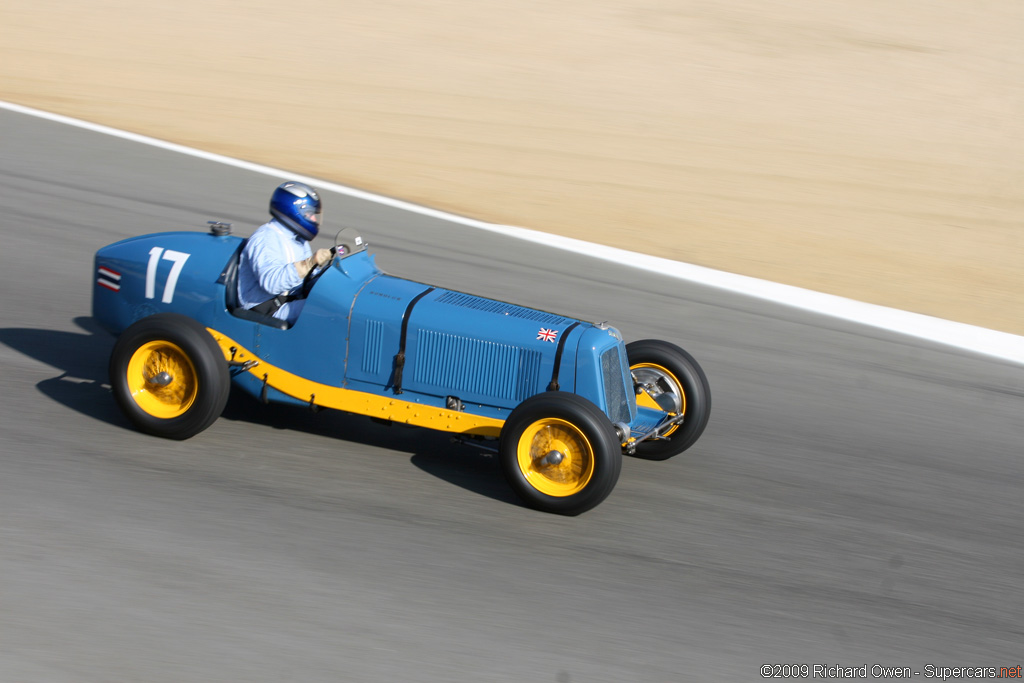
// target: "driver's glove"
[[322, 256], [319, 258]]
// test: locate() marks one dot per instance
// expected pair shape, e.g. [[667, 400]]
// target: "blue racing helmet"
[[297, 205]]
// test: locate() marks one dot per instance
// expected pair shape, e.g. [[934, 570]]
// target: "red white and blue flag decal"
[[111, 279], [547, 335]]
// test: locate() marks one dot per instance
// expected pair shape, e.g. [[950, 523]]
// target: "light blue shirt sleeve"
[[266, 268]]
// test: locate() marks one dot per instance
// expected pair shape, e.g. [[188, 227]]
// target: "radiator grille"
[[467, 366], [614, 389]]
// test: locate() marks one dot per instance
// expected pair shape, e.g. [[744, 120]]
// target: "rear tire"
[[560, 453], [680, 381], [168, 376]]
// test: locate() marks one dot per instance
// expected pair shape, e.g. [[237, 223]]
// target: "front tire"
[[168, 376], [560, 453], [677, 385]]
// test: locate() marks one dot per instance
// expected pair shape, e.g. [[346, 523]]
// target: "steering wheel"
[[316, 272]]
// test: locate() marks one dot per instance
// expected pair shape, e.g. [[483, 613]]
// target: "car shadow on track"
[[82, 385], [81, 360], [462, 465]]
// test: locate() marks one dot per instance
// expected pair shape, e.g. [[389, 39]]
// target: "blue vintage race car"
[[560, 400]]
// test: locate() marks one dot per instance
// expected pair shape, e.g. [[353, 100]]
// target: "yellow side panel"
[[359, 402]]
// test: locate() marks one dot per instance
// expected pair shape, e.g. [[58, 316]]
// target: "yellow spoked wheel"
[[560, 453], [162, 379], [660, 390], [668, 379], [168, 376], [555, 457]]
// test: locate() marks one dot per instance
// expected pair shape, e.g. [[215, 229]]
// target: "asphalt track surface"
[[857, 498]]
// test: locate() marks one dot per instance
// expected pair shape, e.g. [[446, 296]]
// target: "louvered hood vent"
[[500, 308], [474, 368]]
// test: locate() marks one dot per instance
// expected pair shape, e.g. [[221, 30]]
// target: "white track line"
[[959, 335]]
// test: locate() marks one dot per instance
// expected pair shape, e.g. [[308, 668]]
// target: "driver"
[[278, 257]]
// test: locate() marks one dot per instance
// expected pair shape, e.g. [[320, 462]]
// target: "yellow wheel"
[[168, 376], [668, 379], [162, 379], [555, 457], [560, 453]]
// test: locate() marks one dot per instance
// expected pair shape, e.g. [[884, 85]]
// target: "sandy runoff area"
[[868, 148]]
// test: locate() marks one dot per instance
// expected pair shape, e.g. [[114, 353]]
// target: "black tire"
[[685, 378], [590, 453], [168, 376]]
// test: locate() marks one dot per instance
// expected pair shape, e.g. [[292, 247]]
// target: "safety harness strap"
[[271, 306]]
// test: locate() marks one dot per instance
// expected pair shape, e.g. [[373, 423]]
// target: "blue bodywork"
[[481, 355]]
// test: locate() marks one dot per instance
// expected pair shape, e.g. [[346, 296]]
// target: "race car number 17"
[[156, 254]]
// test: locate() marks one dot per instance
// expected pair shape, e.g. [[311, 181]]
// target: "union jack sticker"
[[547, 335], [111, 279]]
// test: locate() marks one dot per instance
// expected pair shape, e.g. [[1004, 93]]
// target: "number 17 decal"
[[176, 257]]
